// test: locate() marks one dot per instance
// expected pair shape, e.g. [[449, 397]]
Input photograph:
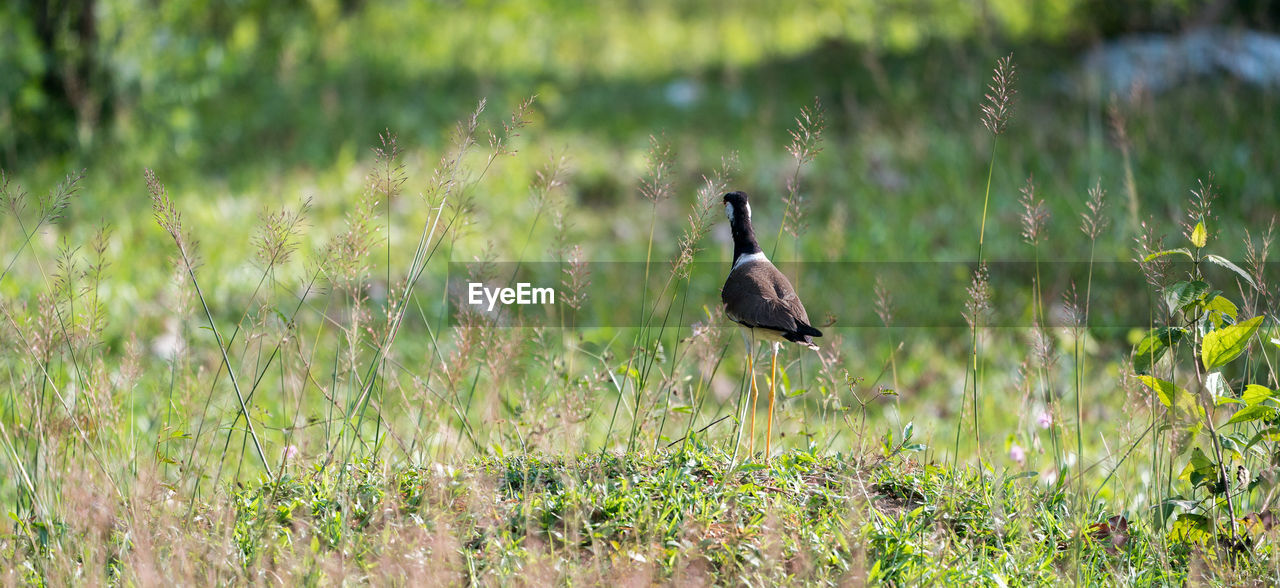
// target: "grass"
[[662, 518], [301, 397]]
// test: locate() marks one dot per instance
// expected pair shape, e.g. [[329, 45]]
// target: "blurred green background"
[[243, 106]]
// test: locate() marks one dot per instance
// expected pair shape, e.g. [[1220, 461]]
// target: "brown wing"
[[756, 294]]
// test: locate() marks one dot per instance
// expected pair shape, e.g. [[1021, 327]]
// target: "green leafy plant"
[[1218, 415]]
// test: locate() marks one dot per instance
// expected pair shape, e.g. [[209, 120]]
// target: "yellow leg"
[[773, 379], [755, 395]]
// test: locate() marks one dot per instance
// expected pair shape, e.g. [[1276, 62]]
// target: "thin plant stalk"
[[169, 219]]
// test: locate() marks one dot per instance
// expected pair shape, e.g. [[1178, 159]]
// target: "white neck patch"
[[728, 210], [748, 258]]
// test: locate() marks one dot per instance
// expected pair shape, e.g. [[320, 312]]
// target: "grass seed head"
[[1257, 254], [998, 108], [166, 214], [1148, 242], [388, 176], [500, 142], [54, 204], [1034, 214], [1072, 310], [884, 302], [1201, 208], [1042, 346], [1094, 220], [700, 220], [806, 144], [547, 180], [577, 276], [806, 138], [12, 197], [1116, 119], [275, 239], [658, 183], [979, 303]]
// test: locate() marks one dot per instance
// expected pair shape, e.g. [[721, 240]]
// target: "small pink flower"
[[291, 452], [1018, 454], [1044, 419]]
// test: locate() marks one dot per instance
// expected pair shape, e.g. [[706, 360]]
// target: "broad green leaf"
[[1199, 236], [1165, 391], [1186, 436], [1217, 386], [1153, 346], [1177, 502], [1253, 413], [1220, 308], [1201, 471], [1224, 262], [1183, 294], [1179, 251], [1223, 345], [1173, 397], [1232, 446], [1190, 528], [1198, 467], [1255, 394], [1197, 521]]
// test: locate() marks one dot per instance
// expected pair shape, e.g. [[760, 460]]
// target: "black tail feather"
[[808, 330], [803, 334]]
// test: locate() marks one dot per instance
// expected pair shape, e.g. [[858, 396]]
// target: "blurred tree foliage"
[[217, 83], [1109, 18], [55, 86], [137, 67]]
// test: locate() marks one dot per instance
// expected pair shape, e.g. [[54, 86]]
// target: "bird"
[[760, 299]]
